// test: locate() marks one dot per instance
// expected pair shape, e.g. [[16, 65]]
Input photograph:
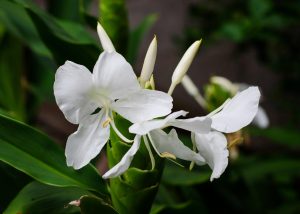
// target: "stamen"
[[235, 142], [194, 149], [153, 145], [106, 122], [168, 155], [120, 135], [150, 152]]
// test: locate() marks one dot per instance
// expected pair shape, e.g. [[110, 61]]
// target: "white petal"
[[144, 105], [213, 148], [170, 143], [74, 101], [104, 39], [125, 162], [238, 112], [83, 145], [261, 118], [145, 127], [113, 76], [196, 124]]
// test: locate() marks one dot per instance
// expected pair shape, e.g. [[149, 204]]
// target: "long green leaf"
[[36, 198], [65, 39], [14, 17], [35, 154], [94, 205]]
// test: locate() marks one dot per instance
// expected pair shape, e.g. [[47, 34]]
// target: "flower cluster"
[[90, 100]]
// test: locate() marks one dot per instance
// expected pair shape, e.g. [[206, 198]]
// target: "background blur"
[[254, 42]]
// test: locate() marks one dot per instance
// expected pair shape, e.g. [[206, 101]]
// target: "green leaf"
[[66, 40], [11, 91], [33, 153], [11, 182], [281, 136], [134, 191], [14, 17], [95, 205], [177, 176], [36, 198], [275, 167], [181, 208], [137, 35]]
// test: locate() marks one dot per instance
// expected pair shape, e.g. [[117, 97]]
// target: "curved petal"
[[213, 148], [261, 118], [144, 105], [145, 127], [125, 162], [74, 101], [113, 76], [83, 145], [170, 143], [196, 124], [238, 112]]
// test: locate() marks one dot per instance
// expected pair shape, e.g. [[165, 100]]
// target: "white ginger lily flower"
[[165, 145], [232, 116], [112, 86]]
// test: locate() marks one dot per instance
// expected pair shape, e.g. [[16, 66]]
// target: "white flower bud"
[[104, 39], [149, 62], [225, 84], [184, 65]]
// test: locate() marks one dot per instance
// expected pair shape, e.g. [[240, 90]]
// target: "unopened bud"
[[149, 62], [192, 90], [104, 39], [184, 65]]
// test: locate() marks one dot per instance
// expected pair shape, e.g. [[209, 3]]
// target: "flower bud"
[[184, 65], [149, 62], [192, 90], [104, 39]]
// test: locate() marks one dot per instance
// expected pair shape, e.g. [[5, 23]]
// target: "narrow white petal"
[[149, 62], [83, 145], [74, 101], [261, 118], [145, 127], [104, 39], [196, 124], [144, 105], [213, 148], [170, 143], [125, 162], [238, 112], [113, 76]]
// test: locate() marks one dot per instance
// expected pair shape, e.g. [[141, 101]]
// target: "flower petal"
[[144, 105], [125, 162], [196, 124], [114, 77], [238, 112], [213, 148], [72, 100], [261, 118], [83, 145], [145, 127], [170, 143]]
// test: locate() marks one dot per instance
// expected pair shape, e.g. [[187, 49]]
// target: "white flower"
[[112, 86], [165, 145], [232, 116]]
